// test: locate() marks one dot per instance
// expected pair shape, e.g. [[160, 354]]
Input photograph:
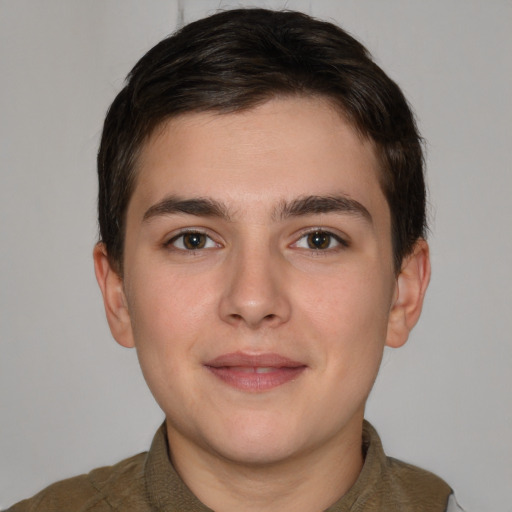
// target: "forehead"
[[279, 150]]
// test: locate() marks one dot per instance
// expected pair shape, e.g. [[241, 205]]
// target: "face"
[[258, 278]]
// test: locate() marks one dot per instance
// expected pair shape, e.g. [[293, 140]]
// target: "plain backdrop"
[[71, 399]]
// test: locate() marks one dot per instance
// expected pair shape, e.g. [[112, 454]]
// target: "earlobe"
[[114, 299], [411, 286]]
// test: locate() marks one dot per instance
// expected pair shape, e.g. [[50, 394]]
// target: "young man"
[[262, 218]]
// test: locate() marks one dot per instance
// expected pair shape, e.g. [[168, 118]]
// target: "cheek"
[[166, 302], [350, 301], [167, 315], [349, 322]]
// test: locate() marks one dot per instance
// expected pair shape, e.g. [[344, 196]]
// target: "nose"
[[254, 293]]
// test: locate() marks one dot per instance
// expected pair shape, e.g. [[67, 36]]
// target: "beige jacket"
[[148, 482]]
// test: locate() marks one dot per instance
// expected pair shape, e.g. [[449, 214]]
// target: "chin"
[[256, 443], [257, 454]]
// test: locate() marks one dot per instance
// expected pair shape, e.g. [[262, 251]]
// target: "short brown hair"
[[237, 59]]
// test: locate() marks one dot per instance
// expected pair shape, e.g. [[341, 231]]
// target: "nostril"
[[254, 309]]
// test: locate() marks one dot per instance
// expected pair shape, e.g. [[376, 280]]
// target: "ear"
[[411, 285], [114, 299]]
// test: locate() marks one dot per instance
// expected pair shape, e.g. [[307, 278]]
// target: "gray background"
[[71, 399]]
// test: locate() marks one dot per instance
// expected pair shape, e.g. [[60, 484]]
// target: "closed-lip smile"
[[254, 372]]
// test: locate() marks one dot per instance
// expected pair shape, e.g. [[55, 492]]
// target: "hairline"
[[159, 125]]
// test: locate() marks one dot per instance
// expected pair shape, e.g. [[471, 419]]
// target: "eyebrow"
[[302, 206], [310, 205], [201, 207]]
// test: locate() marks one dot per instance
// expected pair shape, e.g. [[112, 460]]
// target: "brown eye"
[[319, 240], [193, 241]]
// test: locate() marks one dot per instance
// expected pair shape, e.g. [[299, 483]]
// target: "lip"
[[255, 373]]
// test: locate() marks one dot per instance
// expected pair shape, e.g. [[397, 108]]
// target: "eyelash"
[[210, 243], [341, 242], [171, 243]]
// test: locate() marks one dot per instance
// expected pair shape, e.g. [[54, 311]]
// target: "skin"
[[259, 285]]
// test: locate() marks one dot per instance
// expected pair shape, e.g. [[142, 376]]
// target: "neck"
[[306, 482]]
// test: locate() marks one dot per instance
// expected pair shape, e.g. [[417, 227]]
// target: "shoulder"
[[415, 486], [386, 483], [408, 475], [117, 487]]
